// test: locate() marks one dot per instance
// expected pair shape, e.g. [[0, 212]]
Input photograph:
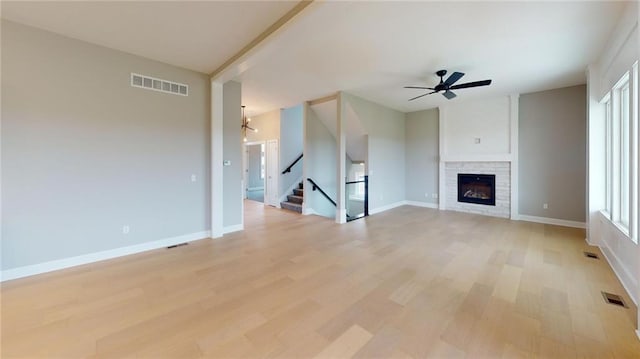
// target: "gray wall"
[[421, 159], [321, 165], [291, 142], [232, 151], [84, 153], [386, 153], [552, 153]]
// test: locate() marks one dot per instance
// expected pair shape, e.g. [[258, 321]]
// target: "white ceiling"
[[199, 36], [371, 49]]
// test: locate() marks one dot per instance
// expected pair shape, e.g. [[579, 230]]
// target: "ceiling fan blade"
[[453, 78], [417, 97], [471, 84], [418, 87], [448, 94]]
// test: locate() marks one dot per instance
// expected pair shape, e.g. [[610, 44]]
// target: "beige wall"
[[552, 153], [421, 159], [385, 128], [232, 154], [84, 153], [268, 126]]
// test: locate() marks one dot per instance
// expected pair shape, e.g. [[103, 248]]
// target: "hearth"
[[477, 188]]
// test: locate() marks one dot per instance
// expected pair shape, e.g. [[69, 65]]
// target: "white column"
[[216, 159], [305, 154], [341, 142], [595, 197], [514, 118]]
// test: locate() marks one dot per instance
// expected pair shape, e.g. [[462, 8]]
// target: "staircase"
[[294, 201]]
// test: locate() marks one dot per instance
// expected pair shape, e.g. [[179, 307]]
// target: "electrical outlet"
[[476, 140], [545, 206], [426, 195], [434, 195], [125, 229], [193, 178]]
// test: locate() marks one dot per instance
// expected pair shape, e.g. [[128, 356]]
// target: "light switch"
[[476, 140]]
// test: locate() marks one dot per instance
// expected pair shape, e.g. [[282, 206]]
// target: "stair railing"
[[316, 187], [288, 169], [365, 180]]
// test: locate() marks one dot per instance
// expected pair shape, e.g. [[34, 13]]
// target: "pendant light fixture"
[[245, 125]]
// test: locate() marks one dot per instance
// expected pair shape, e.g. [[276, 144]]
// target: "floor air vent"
[[152, 83], [591, 255], [177, 245], [613, 299]]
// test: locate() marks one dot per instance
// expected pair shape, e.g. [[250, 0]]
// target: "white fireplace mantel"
[[478, 158]]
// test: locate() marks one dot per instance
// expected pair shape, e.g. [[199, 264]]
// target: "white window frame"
[[608, 156], [622, 136], [633, 157]]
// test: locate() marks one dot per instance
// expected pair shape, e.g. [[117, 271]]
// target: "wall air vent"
[[152, 83]]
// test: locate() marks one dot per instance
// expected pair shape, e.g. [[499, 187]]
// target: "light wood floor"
[[410, 282]]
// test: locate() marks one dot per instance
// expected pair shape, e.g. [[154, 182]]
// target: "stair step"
[[300, 185], [298, 192], [294, 199], [296, 207]]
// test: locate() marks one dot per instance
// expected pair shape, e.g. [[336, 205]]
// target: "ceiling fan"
[[448, 85]]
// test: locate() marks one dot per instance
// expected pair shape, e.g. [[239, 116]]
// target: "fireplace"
[[477, 188]]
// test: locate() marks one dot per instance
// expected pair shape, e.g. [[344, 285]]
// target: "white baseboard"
[[387, 207], [621, 271], [234, 228], [422, 204], [553, 221], [341, 216], [255, 188], [45, 267], [308, 211]]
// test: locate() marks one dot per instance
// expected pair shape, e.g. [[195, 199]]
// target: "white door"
[[271, 192]]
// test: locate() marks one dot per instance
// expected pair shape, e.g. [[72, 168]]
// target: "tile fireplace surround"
[[502, 171]]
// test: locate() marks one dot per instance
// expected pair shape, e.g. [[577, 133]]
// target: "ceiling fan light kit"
[[445, 86]]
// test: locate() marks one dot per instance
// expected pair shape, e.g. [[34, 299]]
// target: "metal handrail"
[[315, 186], [288, 169]]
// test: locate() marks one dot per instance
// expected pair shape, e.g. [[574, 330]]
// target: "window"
[[621, 154], [608, 160], [625, 149], [356, 173]]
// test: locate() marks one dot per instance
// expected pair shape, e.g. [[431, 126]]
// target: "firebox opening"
[[477, 188]]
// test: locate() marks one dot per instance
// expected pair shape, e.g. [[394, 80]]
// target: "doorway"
[[255, 171]]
